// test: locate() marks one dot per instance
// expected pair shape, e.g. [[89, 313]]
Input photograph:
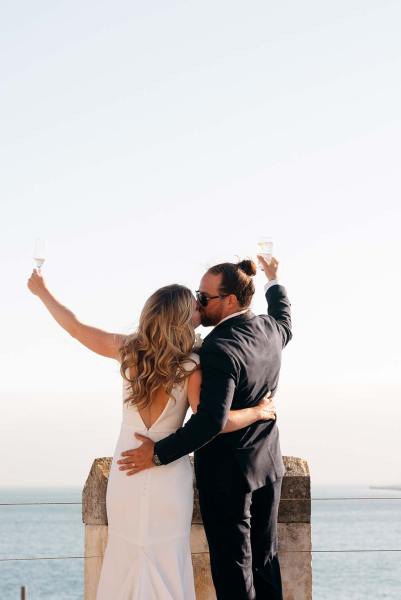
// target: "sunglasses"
[[203, 298]]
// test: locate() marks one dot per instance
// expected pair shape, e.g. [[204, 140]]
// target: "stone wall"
[[294, 531]]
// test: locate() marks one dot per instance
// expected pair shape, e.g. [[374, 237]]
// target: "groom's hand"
[[138, 459], [270, 267]]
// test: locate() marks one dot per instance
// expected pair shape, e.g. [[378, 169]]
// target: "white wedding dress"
[[148, 555]]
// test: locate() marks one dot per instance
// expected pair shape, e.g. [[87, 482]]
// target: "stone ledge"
[[94, 493], [295, 505]]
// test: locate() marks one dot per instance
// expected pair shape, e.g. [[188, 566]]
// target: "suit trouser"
[[241, 529]]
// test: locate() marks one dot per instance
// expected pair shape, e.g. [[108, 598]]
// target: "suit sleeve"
[[219, 377], [279, 308]]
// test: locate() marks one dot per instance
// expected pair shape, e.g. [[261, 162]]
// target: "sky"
[[145, 142]]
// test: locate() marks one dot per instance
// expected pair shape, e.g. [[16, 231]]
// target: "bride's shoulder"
[[192, 360], [195, 356]]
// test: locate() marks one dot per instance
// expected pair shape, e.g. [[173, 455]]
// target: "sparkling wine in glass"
[[265, 247], [39, 253]]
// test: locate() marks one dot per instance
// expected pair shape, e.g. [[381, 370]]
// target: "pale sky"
[[146, 141]]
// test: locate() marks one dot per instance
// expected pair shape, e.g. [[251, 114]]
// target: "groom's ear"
[[232, 300]]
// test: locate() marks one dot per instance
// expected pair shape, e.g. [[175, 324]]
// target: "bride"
[[148, 553]]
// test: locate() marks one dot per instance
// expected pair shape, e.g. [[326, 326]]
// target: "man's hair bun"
[[248, 266]]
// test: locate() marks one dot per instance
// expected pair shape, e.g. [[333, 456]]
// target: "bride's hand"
[[266, 409], [36, 283]]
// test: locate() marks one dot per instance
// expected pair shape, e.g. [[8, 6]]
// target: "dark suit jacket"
[[240, 362]]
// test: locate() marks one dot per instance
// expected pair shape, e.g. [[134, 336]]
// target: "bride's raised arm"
[[237, 419], [97, 340]]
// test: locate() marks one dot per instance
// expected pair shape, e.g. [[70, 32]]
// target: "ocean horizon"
[[356, 533]]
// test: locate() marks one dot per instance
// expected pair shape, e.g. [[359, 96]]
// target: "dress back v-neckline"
[[157, 418]]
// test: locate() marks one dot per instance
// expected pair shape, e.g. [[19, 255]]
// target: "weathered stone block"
[[95, 545], [294, 532], [203, 579], [198, 539], [294, 548], [295, 504], [94, 493]]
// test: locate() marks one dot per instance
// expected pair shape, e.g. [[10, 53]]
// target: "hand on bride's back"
[[36, 283], [266, 408]]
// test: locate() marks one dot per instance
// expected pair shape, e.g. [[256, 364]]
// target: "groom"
[[238, 474]]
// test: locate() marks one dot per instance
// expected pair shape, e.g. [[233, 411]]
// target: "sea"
[[356, 536]]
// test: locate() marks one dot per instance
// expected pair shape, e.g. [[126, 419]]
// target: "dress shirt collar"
[[240, 312]]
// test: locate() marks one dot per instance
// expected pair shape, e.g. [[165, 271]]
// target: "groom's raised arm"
[[219, 377], [279, 309]]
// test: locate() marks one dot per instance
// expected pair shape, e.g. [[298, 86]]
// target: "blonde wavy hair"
[[153, 357]]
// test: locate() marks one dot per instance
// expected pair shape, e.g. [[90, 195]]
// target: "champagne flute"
[[265, 247], [39, 252]]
